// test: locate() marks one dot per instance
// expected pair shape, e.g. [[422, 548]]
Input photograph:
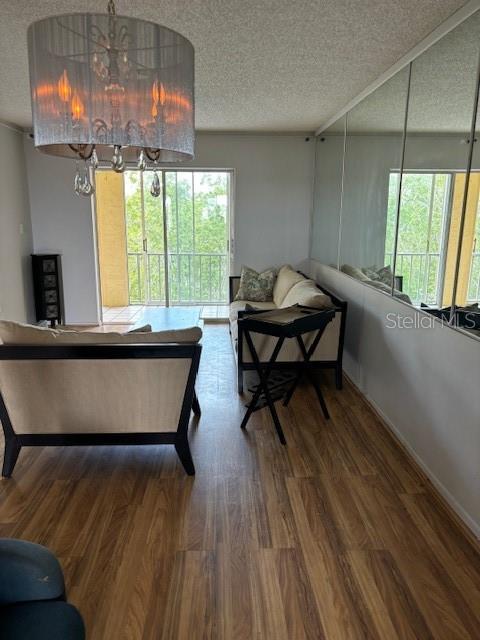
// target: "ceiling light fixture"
[[109, 88]]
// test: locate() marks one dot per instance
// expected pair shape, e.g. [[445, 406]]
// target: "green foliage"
[[197, 234], [474, 283], [423, 205]]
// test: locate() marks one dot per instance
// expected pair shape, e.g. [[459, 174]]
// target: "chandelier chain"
[[111, 8]]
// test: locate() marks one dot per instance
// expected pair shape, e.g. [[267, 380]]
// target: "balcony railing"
[[421, 275], [193, 278]]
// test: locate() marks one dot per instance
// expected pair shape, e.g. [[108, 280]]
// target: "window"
[[422, 233], [194, 229]]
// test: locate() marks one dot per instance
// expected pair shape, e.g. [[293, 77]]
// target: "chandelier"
[[109, 88]]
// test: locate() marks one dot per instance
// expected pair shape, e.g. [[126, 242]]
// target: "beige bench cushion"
[[287, 277], [17, 333]]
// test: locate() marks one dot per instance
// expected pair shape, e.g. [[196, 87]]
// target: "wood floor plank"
[[466, 581], [301, 614], [191, 608], [389, 600], [355, 530], [335, 536], [322, 559], [235, 593], [431, 598], [269, 607]]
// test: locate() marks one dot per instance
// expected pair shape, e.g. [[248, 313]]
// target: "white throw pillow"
[[307, 294], [287, 278], [354, 272]]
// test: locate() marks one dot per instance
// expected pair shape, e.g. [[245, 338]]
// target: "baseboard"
[[468, 525]]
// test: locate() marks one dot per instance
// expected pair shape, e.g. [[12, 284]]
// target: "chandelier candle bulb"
[[110, 88]]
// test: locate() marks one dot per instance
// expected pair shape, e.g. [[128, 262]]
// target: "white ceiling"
[[442, 90], [261, 65]]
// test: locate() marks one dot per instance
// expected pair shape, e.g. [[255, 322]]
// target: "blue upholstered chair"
[[32, 595]]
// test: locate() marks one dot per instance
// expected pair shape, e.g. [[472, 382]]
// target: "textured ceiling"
[[442, 91], [263, 65]]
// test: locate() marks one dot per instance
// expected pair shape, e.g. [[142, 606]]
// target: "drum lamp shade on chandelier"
[[110, 88]]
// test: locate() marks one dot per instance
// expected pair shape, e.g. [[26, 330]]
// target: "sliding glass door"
[[180, 254], [145, 241]]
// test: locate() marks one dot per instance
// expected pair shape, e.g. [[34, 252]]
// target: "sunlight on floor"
[[131, 314]]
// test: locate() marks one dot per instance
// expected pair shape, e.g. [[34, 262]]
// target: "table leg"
[[319, 393], [196, 405], [263, 375], [306, 358]]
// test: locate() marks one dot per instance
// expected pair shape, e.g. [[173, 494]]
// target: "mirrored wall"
[[397, 184]]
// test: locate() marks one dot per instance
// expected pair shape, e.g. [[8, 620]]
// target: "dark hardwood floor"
[[336, 536]]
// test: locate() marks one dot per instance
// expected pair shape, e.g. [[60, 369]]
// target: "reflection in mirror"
[[466, 292], [329, 149], [442, 96], [373, 154]]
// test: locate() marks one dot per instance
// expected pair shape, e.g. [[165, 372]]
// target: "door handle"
[[145, 245]]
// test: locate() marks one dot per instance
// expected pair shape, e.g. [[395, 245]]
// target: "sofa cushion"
[[381, 286], [239, 305], [371, 273], [146, 328], [16, 333], [256, 287], [287, 277], [307, 294], [354, 272], [385, 275]]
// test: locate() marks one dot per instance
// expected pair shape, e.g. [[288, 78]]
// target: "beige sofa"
[[379, 278], [291, 287], [69, 388]]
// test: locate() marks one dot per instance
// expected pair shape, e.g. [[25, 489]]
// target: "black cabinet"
[[47, 287]]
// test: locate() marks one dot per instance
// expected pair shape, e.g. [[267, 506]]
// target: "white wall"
[[62, 223], [16, 296], [273, 193], [424, 381], [273, 179]]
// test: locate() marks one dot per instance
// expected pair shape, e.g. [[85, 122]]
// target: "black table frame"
[[250, 324]]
